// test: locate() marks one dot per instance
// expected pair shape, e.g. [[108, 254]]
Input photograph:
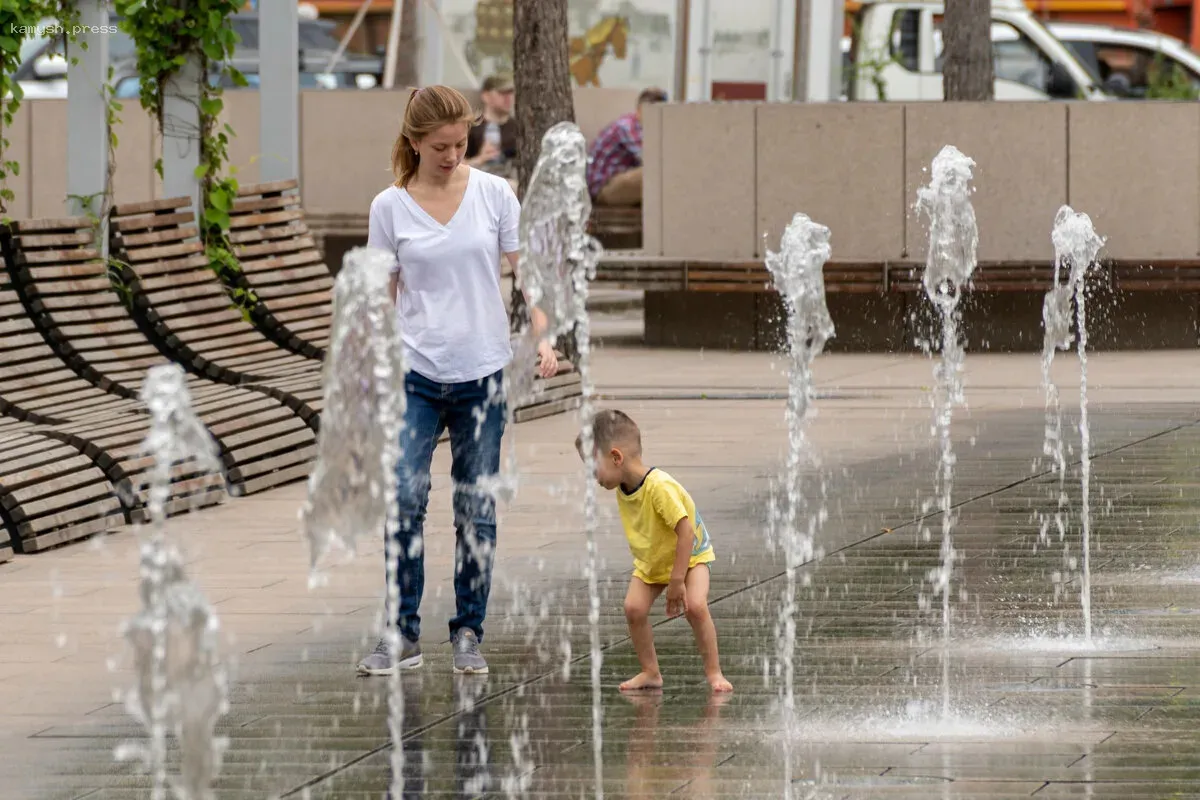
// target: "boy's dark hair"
[[610, 428]]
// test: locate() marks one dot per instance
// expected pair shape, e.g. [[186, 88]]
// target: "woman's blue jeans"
[[474, 413]]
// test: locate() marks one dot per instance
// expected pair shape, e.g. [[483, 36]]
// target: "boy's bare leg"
[[696, 585], [638, 600]]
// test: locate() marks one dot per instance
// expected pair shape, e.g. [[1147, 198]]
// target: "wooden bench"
[[263, 441], [50, 492], [1157, 305], [1160, 276], [186, 305], [281, 263], [35, 384], [988, 277], [636, 270], [555, 395], [616, 227], [107, 428]]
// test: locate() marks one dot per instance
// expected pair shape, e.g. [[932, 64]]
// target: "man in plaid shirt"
[[614, 172]]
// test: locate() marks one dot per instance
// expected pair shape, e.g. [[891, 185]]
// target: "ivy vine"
[[21, 20], [167, 34]]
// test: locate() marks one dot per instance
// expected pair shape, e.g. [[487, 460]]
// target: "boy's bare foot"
[[719, 684], [643, 680]]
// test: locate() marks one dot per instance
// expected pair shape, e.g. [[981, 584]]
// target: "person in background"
[[492, 144], [614, 172]]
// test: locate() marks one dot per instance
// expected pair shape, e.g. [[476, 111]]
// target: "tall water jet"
[[558, 259], [182, 686], [1056, 324], [951, 259], [1076, 245], [796, 271], [352, 486]]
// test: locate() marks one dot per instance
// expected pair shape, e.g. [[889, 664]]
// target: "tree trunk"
[[967, 36], [406, 58], [542, 74], [542, 78]]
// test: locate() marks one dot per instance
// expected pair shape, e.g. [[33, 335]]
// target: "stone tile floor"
[[1032, 711]]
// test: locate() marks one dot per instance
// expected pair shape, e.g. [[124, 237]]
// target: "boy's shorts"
[[641, 576]]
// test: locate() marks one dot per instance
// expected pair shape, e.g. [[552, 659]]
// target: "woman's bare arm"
[[537, 317]]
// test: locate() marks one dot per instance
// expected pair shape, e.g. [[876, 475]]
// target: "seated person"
[[492, 144], [614, 172]]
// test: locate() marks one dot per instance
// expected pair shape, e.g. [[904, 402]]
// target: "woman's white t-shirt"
[[451, 310]]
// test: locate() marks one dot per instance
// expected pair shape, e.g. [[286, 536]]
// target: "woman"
[[447, 224]]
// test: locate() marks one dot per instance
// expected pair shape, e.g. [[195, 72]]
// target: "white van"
[[898, 48], [1124, 60]]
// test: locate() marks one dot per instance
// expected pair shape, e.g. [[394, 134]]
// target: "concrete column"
[[279, 90], [87, 112], [819, 26], [683, 12], [181, 133], [432, 66], [700, 51], [775, 81], [837, 29], [393, 44]]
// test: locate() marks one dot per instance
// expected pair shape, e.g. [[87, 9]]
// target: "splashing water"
[[953, 240], [558, 258], [1076, 245], [352, 487], [797, 274], [182, 686]]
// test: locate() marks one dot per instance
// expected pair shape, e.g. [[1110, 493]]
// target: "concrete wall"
[[708, 181], [1020, 173], [21, 184], [856, 168], [1138, 176], [862, 190], [721, 176], [345, 146]]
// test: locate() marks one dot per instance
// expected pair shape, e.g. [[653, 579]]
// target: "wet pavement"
[[1032, 710]]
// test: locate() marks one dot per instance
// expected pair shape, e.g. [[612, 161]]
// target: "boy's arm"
[[683, 549], [676, 590], [669, 505]]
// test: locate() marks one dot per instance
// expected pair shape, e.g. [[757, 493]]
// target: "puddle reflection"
[[661, 761], [472, 769]]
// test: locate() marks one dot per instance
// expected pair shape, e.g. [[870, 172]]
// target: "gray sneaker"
[[381, 662], [467, 659]]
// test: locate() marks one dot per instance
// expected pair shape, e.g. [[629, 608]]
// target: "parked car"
[[43, 68], [1125, 60], [899, 46]]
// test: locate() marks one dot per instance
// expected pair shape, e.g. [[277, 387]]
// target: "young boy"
[[670, 546]]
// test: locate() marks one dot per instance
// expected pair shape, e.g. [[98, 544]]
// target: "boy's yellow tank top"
[[650, 513]]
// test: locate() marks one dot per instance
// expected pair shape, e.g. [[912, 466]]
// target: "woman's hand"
[[547, 360]]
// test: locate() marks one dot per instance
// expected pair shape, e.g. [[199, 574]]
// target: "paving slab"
[[1033, 711]]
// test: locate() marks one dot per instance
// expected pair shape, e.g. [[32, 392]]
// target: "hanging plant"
[[21, 20], [167, 34]]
